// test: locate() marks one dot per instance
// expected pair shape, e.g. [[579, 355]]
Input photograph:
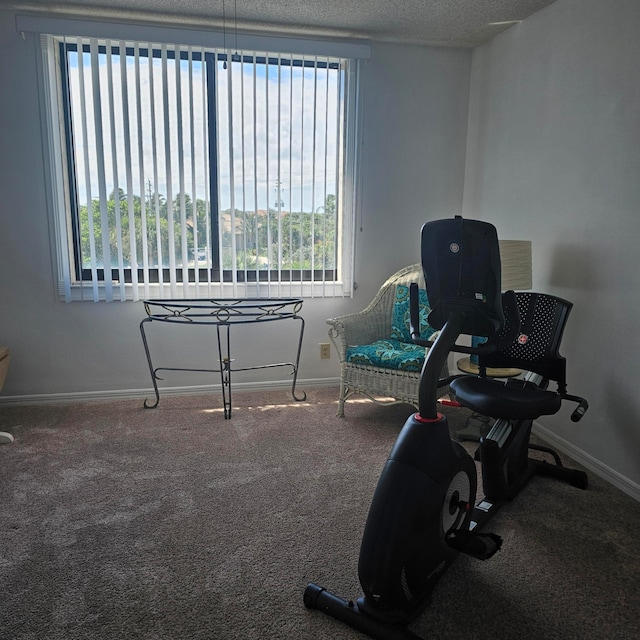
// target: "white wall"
[[413, 155], [415, 120], [554, 156]]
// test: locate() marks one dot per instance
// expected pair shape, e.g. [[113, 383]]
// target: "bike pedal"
[[479, 545]]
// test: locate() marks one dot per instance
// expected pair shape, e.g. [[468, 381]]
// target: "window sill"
[[86, 292]]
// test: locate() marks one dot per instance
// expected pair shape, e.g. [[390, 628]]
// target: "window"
[[188, 171]]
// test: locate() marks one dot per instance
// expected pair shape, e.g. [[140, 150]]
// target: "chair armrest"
[[374, 322], [358, 328]]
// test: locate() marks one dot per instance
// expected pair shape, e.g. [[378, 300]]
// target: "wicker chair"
[[382, 384]]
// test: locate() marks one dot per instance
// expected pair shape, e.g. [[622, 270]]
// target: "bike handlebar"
[[580, 410]]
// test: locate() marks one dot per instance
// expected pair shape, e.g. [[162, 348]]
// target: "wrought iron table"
[[223, 314]]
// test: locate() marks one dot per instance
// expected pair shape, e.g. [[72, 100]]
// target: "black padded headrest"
[[461, 264]]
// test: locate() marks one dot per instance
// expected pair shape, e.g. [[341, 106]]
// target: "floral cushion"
[[400, 320], [390, 354]]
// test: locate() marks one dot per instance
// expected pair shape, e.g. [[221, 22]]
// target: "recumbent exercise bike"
[[424, 510]]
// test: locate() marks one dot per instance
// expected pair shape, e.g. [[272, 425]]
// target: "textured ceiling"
[[460, 23]]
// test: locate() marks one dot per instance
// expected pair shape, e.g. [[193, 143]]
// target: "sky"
[[267, 116]]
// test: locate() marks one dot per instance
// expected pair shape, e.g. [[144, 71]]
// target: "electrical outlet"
[[325, 350]]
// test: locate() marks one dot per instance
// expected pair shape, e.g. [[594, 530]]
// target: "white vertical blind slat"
[[256, 240], [343, 133], [216, 198], [154, 156], [194, 191], [114, 168], [350, 190], [87, 177], [232, 182], [243, 181], [302, 171], [290, 185], [205, 163], [325, 174], [312, 208], [336, 207], [141, 169], [184, 253], [278, 177], [171, 248], [278, 207], [267, 136], [126, 133], [47, 45], [99, 157]]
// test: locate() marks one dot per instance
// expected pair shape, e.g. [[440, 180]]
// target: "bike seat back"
[[543, 318], [536, 349], [461, 264]]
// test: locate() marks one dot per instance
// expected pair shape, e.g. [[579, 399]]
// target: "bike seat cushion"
[[496, 399]]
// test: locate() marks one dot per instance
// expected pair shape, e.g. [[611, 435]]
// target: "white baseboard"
[[128, 394], [586, 460]]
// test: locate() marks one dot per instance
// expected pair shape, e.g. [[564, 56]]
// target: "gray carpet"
[[125, 523]]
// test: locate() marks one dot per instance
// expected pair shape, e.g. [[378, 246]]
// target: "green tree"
[[295, 241]]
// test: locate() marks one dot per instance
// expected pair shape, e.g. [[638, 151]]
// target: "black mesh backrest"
[[461, 264], [537, 348]]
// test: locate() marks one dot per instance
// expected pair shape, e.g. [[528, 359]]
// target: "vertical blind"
[[192, 172]]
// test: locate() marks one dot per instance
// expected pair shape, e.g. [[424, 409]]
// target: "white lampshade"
[[515, 256]]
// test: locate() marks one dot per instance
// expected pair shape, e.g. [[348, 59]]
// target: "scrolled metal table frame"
[[222, 313]]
